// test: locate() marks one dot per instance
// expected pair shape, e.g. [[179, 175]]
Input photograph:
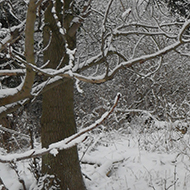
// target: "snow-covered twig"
[[150, 33]]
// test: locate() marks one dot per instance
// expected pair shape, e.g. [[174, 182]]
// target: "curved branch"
[[67, 143]]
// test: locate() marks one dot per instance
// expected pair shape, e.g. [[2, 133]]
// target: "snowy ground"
[[127, 159], [158, 160]]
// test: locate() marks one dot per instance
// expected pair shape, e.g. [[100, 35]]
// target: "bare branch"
[[23, 91], [61, 145], [14, 72]]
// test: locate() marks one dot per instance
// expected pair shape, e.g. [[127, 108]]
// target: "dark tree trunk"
[[58, 120]]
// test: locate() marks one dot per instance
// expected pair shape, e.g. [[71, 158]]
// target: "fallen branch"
[[67, 143]]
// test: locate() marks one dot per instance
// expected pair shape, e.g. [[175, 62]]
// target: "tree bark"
[[58, 121]]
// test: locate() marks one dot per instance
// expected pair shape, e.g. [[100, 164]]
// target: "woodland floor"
[[134, 158]]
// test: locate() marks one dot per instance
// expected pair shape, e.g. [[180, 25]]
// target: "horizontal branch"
[[150, 26], [149, 33], [14, 72]]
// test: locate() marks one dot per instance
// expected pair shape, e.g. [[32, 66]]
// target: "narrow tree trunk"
[[58, 120]]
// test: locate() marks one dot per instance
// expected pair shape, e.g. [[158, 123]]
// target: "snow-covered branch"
[[14, 72], [67, 143], [150, 33], [144, 58]]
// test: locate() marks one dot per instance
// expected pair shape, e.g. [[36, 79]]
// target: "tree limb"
[[23, 91], [64, 144]]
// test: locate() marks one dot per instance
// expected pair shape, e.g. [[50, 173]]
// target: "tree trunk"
[[58, 120]]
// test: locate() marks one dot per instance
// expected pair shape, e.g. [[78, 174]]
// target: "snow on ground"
[[10, 178], [121, 163], [126, 159]]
